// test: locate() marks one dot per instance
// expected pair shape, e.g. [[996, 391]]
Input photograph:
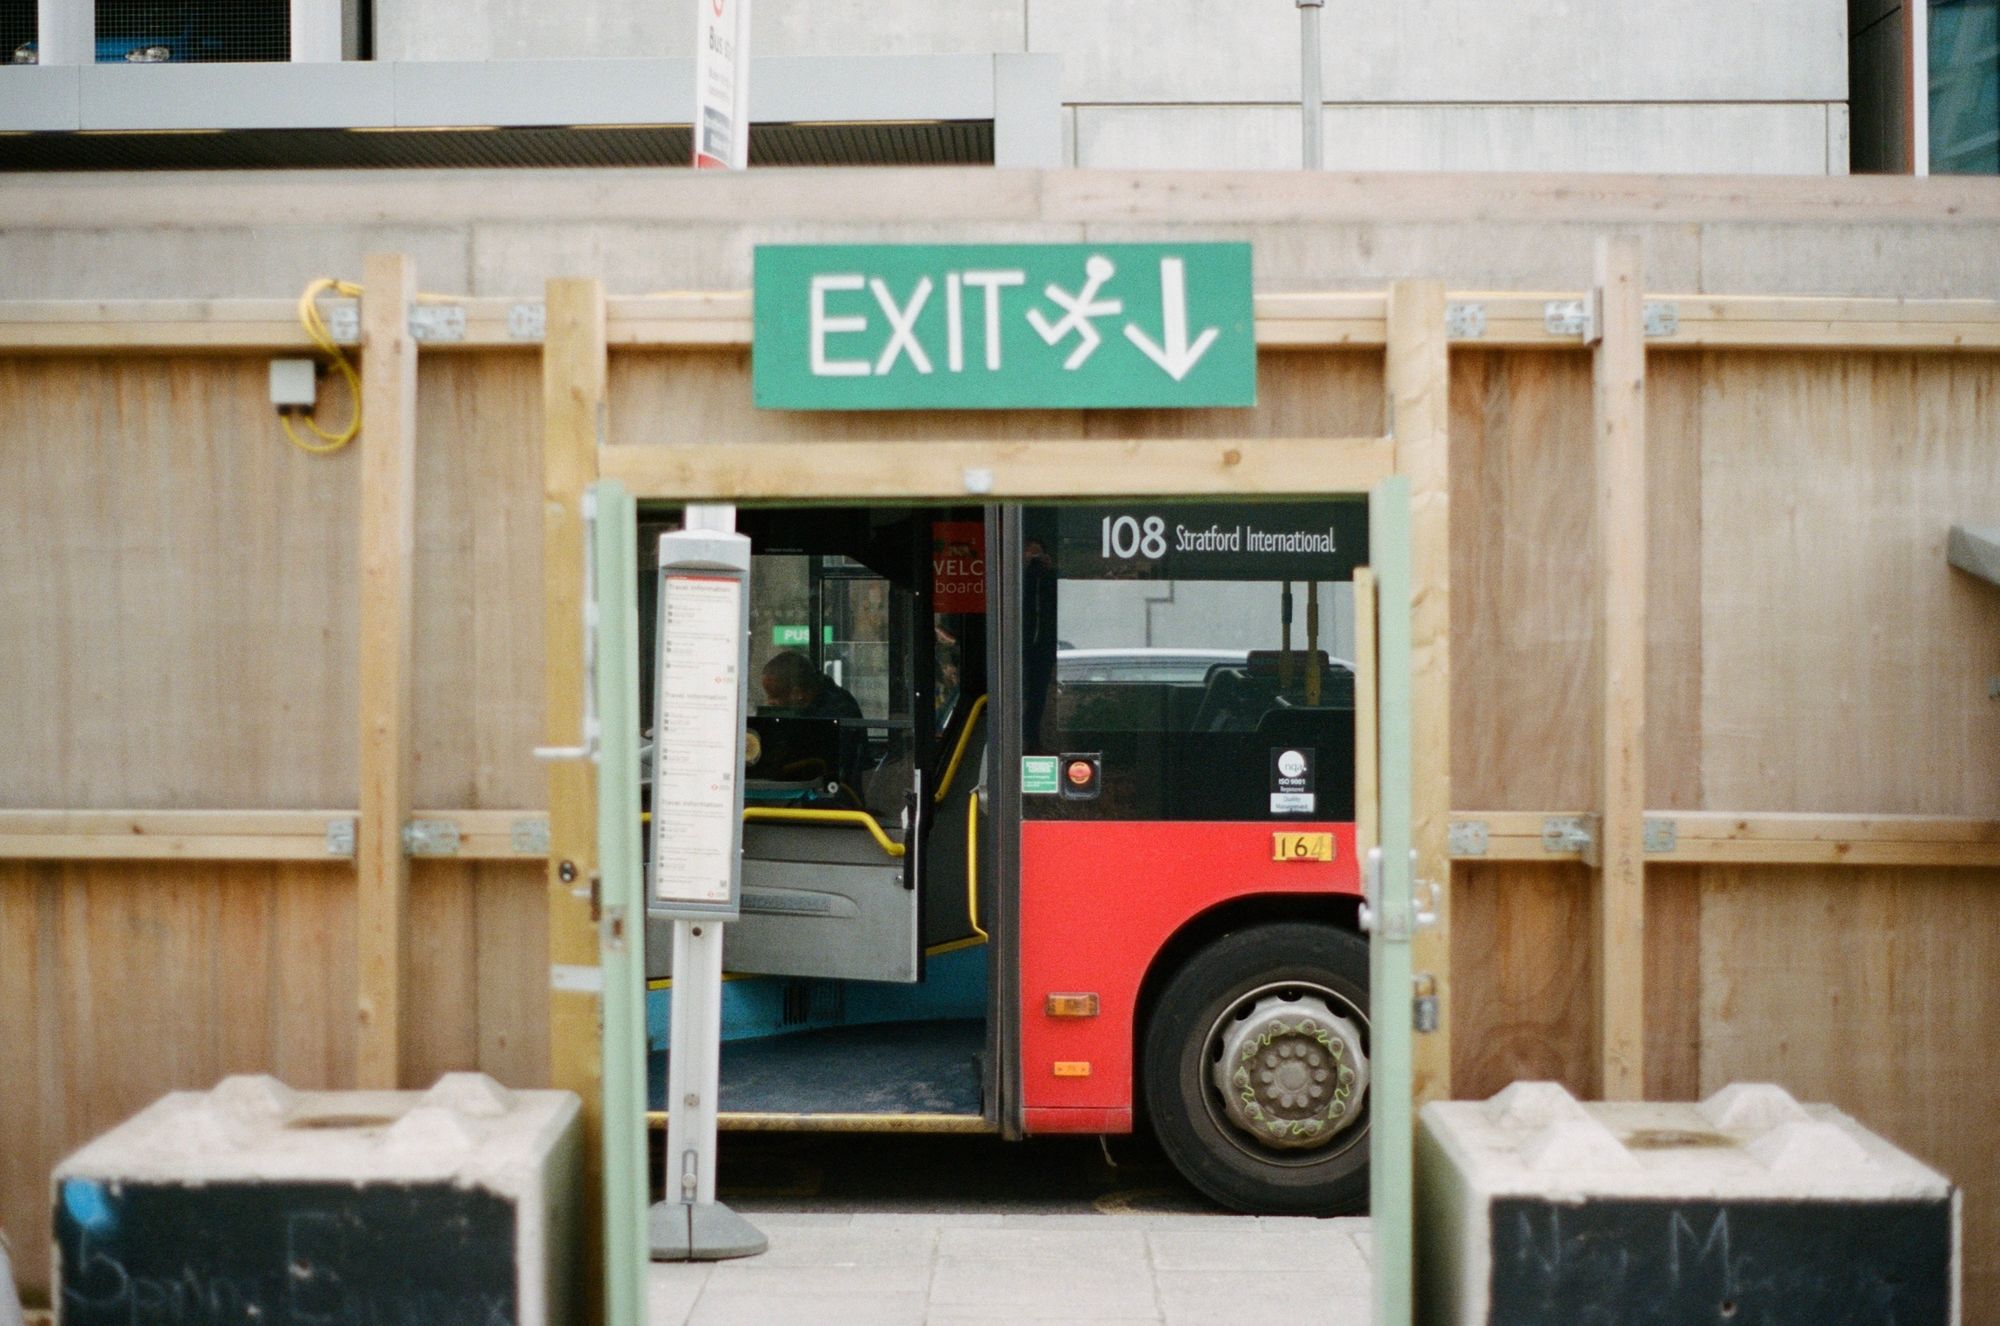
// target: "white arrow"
[[1177, 356]]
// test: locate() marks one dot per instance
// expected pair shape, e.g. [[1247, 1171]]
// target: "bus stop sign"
[[1003, 326]]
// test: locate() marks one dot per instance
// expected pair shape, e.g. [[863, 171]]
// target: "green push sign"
[[1003, 326]]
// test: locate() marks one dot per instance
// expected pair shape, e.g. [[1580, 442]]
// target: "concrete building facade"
[[1544, 85]]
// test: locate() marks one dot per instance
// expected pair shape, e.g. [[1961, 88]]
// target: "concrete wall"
[[1668, 85], [201, 236]]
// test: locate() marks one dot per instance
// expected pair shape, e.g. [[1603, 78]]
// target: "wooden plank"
[[574, 405], [1872, 990], [1619, 374], [1523, 973], [479, 700], [1727, 838], [1521, 612], [388, 553], [1001, 470], [240, 835], [1845, 668], [721, 319], [1417, 391], [510, 926], [181, 591]]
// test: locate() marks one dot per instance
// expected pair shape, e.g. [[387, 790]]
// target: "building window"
[[1965, 87]]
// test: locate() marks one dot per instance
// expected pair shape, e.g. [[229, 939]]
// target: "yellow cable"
[[316, 329], [958, 753]]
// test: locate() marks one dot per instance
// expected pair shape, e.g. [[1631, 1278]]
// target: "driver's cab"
[[863, 741]]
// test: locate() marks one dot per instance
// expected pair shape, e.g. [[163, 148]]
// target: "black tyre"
[[1256, 1072]]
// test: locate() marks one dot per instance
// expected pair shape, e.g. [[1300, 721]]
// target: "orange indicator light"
[[1072, 1006]]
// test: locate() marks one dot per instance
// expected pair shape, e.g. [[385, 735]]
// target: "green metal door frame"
[[1391, 914], [612, 642], [613, 560]]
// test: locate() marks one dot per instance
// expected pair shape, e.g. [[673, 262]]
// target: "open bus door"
[[856, 745]]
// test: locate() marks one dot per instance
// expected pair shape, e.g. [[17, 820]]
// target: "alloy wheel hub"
[[1292, 1074]]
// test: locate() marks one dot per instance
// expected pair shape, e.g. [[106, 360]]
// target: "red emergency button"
[[1080, 776]]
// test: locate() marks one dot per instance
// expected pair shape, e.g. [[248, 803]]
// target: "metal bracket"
[[587, 748], [1398, 922], [430, 838], [437, 322], [1467, 838], [530, 837], [1424, 1002], [1579, 317], [527, 320], [1572, 317], [1424, 895], [340, 837], [1568, 833], [1662, 835], [343, 324], [1465, 320]]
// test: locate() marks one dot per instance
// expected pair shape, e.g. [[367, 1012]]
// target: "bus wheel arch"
[[1236, 1011]]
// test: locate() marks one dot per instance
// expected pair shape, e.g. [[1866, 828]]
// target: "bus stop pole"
[[689, 1224]]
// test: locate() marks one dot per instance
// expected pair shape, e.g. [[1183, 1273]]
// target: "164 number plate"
[[1302, 847]]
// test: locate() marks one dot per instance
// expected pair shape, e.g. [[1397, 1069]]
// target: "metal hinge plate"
[[430, 838], [1567, 833], [437, 322], [1468, 838], [340, 837], [343, 323], [1465, 320], [1569, 317], [527, 320], [530, 837], [1577, 317], [1662, 835]]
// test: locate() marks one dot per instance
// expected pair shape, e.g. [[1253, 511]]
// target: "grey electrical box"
[[294, 384]]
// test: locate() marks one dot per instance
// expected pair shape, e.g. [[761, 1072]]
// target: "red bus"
[[1049, 828]]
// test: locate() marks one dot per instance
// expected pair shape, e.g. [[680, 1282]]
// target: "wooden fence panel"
[[180, 591]]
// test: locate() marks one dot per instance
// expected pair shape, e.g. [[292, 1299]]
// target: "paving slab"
[[957, 1268]]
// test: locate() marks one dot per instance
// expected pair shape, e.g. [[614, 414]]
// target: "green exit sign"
[[1003, 326]]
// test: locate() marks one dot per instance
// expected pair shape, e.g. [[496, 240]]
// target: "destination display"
[[1209, 541]]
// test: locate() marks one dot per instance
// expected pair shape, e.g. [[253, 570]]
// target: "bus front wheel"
[[1255, 1068]]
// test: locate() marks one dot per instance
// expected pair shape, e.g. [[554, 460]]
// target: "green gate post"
[[1389, 992], [621, 936]]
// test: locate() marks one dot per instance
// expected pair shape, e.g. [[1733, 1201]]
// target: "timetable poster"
[[694, 811]]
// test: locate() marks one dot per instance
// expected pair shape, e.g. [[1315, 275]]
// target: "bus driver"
[[794, 687]]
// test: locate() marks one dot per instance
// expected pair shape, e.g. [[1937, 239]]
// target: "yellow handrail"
[[972, 861], [783, 814], [958, 753]]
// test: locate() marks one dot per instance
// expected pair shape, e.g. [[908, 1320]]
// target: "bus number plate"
[[1302, 847]]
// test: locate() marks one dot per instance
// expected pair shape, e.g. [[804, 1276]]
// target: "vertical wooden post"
[[388, 548], [1618, 370], [573, 413], [1419, 390]]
